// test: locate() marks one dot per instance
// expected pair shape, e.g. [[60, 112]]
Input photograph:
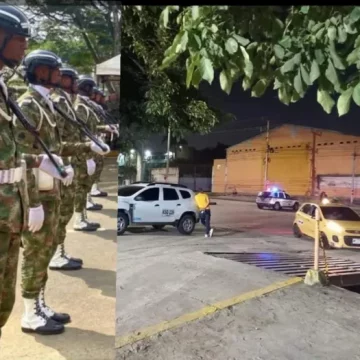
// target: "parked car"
[[158, 205], [339, 225], [276, 199]]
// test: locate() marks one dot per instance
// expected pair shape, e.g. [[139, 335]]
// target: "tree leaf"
[[343, 103], [305, 75], [167, 61], [247, 82], [335, 57], [331, 74], [295, 97], [285, 42], [356, 94], [195, 12], [259, 88], [277, 84], [319, 55], [331, 33], [284, 96], [231, 46], [249, 68], [241, 40], [214, 28], [164, 17], [206, 70], [353, 57], [354, 15], [181, 47], [279, 51], [196, 78], [342, 35], [298, 85], [190, 70], [290, 64], [226, 81], [325, 100], [304, 9]]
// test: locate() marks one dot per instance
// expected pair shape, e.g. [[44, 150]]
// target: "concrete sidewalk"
[[164, 278], [88, 295]]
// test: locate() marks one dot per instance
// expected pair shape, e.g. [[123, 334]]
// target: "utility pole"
[[313, 162], [168, 153], [353, 177], [267, 154]]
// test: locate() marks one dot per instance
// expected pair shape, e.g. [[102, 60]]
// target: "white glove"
[[36, 218], [95, 148], [91, 167], [47, 166], [69, 179]]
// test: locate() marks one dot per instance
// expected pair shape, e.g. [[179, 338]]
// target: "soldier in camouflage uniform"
[[42, 69], [15, 214], [86, 169], [97, 99], [61, 260]]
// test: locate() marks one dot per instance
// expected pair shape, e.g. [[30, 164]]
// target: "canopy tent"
[[110, 68]]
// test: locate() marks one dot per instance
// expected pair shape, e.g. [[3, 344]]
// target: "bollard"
[[315, 276]]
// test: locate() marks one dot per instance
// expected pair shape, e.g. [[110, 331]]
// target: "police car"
[[276, 199], [158, 205]]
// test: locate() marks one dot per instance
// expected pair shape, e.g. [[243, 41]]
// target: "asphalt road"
[[162, 276]]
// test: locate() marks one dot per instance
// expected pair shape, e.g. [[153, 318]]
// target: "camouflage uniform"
[[82, 179], [72, 135], [39, 247], [13, 213]]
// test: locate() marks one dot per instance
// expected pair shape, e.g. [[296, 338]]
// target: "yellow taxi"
[[339, 224]]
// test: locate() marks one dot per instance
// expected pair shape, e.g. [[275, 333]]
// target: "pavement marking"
[[129, 339]]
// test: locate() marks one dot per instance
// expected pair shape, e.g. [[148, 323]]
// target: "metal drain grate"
[[342, 272]]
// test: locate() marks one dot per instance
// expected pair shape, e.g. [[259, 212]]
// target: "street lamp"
[[147, 154]]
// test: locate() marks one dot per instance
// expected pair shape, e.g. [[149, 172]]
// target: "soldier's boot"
[[34, 320], [80, 223], [91, 205], [95, 224], [50, 313], [96, 192], [61, 261]]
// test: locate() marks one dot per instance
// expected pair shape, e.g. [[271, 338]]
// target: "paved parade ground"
[[88, 295], [175, 302]]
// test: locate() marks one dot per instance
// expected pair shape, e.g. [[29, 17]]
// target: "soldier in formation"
[[16, 216], [44, 160]]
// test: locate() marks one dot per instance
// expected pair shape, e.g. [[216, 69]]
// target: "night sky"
[[250, 111]]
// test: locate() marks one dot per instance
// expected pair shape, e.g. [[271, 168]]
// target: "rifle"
[[13, 105], [79, 123], [98, 113]]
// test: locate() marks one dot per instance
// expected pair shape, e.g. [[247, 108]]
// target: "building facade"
[[302, 161]]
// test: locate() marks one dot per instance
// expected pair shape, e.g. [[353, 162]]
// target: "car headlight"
[[334, 227]]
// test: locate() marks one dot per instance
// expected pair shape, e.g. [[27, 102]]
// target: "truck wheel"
[[158, 227], [122, 222], [277, 206], [260, 206], [186, 224], [296, 207]]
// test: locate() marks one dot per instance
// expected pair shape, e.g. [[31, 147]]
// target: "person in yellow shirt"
[[203, 203]]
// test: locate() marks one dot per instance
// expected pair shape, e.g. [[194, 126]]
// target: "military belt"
[[11, 176]]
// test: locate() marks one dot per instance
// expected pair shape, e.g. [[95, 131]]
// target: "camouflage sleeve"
[[32, 161], [27, 145], [71, 149], [25, 141]]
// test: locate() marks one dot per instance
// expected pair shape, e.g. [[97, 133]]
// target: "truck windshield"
[[340, 213], [129, 190]]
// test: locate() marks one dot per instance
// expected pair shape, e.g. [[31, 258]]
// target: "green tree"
[[289, 48], [153, 98]]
